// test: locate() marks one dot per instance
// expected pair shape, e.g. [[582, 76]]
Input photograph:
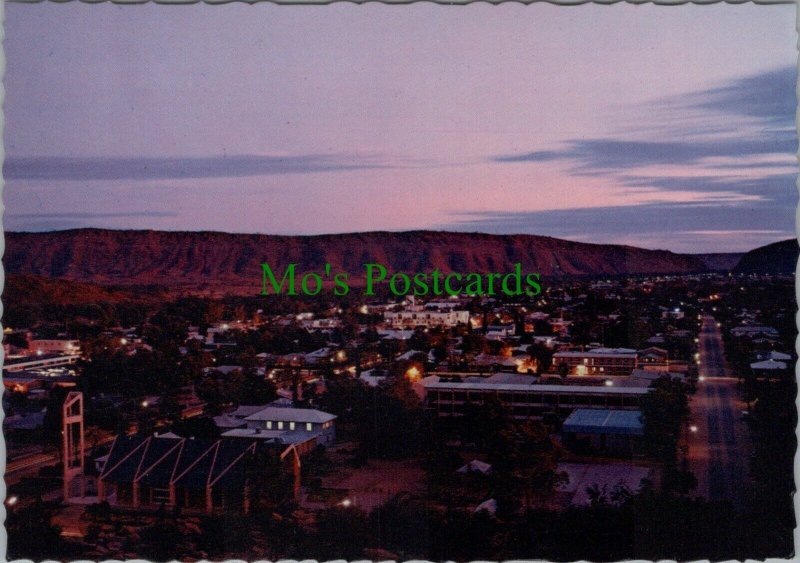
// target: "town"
[[459, 428]]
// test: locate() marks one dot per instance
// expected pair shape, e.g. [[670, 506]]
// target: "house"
[[309, 421], [646, 377], [598, 361], [373, 377], [25, 421], [228, 422], [653, 356], [769, 368], [773, 355], [416, 316], [54, 346], [475, 466]]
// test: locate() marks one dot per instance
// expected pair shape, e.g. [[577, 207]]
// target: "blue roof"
[[605, 421]]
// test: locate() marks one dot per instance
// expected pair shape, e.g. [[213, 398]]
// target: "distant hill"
[[776, 258], [29, 289], [721, 261], [221, 262]]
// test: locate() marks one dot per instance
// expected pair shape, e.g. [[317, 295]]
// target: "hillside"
[[29, 289], [214, 262], [721, 261], [775, 258]]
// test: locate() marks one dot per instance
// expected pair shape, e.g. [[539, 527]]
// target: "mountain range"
[[216, 263]]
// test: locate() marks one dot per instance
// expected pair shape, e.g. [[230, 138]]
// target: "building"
[[769, 368], [156, 472], [653, 357], [309, 422], [40, 362], [604, 430], [419, 317], [54, 346], [598, 361], [26, 381], [449, 397]]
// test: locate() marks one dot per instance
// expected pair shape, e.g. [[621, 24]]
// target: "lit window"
[[280, 425], [308, 426], [291, 426], [269, 425]]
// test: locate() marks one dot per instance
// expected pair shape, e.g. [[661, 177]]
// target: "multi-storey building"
[[598, 361], [450, 397]]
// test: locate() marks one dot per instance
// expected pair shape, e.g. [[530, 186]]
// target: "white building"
[[54, 346], [310, 421], [419, 317]]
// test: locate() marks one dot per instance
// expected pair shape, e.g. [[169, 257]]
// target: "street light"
[[413, 374], [693, 428], [11, 501]]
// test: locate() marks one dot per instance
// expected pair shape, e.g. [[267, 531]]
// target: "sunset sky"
[[660, 127]]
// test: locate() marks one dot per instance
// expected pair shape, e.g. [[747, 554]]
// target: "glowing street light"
[[11, 501], [693, 428], [413, 374], [346, 503]]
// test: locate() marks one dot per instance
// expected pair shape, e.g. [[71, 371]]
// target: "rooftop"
[[432, 382], [292, 415], [605, 421]]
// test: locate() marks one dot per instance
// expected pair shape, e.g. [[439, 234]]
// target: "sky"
[[654, 126]]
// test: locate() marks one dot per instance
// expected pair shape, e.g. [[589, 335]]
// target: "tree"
[[664, 409], [31, 536], [524, 461], [53, 418], [342, 533], [543, 356], [269, 483]]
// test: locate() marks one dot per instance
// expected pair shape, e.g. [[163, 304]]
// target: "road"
[[719, 447], [27, 466]]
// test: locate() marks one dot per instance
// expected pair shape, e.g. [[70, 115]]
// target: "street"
[[720, 443]]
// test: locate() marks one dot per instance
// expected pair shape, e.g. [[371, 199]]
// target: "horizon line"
[[389, 232]]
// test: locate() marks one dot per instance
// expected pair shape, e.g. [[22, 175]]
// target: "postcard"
[[399, 282]]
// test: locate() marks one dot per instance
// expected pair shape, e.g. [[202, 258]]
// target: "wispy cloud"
[[648, 223], [729, 149], [771, 187], [697, 126], [90, 215], [154, 168], [67, 220], [601, 156], [762, 96]]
